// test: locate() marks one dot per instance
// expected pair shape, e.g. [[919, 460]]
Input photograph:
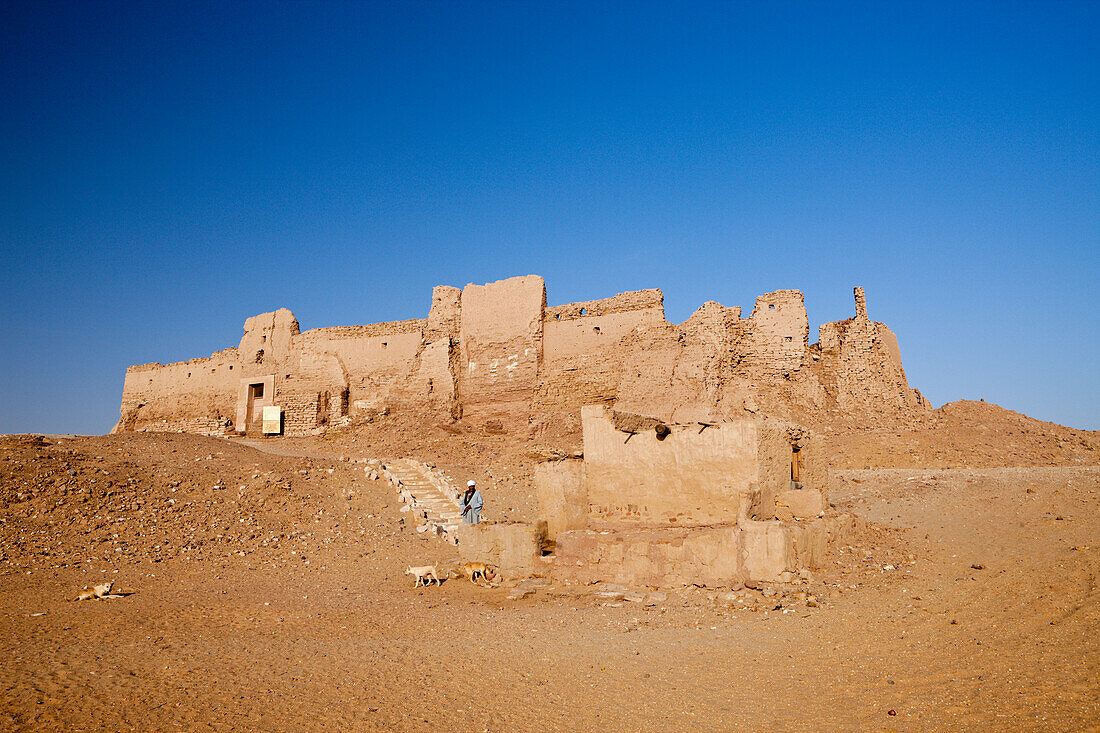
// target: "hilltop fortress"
[[498, 357]]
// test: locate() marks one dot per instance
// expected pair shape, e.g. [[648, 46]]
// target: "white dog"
[[422, 572]]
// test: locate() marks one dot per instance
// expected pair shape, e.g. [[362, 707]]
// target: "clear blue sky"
[[170, 169]]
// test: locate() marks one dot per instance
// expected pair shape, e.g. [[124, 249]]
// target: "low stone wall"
[[719, 556], [196, 425], [650, 557], [513, 549]]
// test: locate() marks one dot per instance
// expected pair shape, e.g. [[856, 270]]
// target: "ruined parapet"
[[649, 301], [861, 302], [864, 361], [268, 337], [445, 316], [780, 333]]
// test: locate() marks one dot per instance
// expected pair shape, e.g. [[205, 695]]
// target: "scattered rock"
[[533, 583]]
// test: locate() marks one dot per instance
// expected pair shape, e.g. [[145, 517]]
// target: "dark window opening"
[[260, 356], [596, 329], [584, 311], [796, 464]]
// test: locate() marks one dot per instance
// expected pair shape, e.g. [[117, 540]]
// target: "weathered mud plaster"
[[497, 354], [663, 503]]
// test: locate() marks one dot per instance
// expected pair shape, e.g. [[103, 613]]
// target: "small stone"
[[612, 587]]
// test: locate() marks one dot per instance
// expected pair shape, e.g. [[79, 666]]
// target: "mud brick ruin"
[[695, 468], [649, 503], [496, 356]]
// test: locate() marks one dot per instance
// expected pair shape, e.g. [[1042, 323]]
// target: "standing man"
[[471, 504]]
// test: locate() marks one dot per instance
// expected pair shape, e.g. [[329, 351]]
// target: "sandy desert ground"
[[269, 594]]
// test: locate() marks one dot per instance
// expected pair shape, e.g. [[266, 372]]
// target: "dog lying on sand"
[[474, 569], [424, 574]]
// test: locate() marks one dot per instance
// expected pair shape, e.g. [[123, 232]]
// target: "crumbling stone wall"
[[779, 331], [712, 504], [496, 355], [501, 347], [863, 360], [644, 471]]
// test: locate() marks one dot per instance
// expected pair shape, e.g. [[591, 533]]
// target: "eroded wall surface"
[[688, 477], [711, 504], [501, 346], [497, 355]]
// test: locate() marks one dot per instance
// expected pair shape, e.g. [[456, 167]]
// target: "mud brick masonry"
[[657, 504], [496, 355]]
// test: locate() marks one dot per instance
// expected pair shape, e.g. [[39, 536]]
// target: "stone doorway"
[[255, 404], [253, 394]]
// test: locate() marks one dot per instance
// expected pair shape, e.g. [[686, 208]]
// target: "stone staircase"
[[429, 494]]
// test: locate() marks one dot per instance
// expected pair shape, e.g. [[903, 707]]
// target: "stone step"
[[430, 496]]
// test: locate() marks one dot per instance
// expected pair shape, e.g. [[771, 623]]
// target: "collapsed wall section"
[[862, 360], [585, 345], [719, 366]]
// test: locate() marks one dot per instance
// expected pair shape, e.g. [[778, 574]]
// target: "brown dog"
[[474, 569]]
